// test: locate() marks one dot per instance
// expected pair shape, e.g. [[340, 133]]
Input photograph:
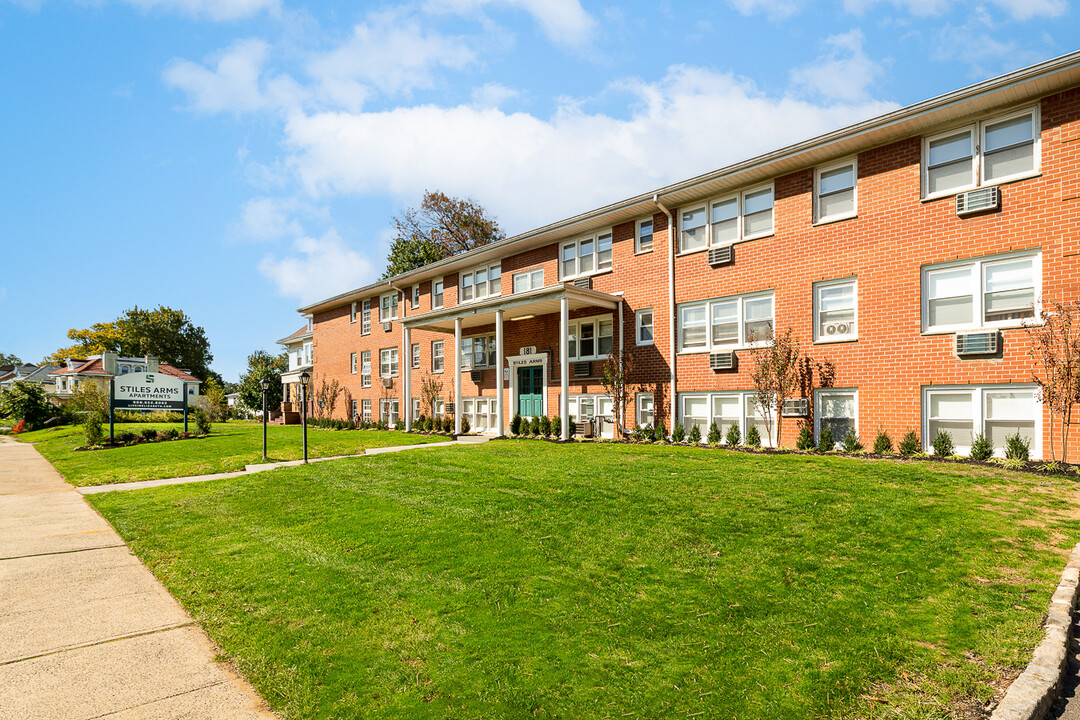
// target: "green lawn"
[[229, 446], [520, 579]]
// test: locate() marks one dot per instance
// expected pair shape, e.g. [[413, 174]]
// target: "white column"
[[619, 319], [457, 376], [499, 355], [564, 366], [407, 375]]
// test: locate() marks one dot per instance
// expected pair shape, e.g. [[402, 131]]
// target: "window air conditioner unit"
[[980, 343], [722, 360], [582, 369], [448, 408], [796, 407], [838, 328], [387, 326], [977, 201], [388, 382], [724, 255], [584, 283], [466, 363], [477, 376]]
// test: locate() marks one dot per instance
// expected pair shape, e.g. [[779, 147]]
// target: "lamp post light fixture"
[[305, 378], [265, 385]]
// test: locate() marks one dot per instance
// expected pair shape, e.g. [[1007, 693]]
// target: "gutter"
[[671, 297]]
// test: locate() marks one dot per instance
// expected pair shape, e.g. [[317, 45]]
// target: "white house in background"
[[298, 346], [99, 368]]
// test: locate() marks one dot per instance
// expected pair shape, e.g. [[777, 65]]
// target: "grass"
[[566, 581], [229, 446]]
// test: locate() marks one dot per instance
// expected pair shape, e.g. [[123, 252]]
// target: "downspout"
[[671, 300]]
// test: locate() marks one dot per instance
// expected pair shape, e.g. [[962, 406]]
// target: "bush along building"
[[906, 253]]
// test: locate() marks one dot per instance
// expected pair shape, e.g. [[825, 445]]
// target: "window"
[[481, 412], [437, 356], [742, 216], [835, 310], [994, 411], [990, 292], [365, 318], [415, 298], [985, 153], [725, 409], [529, 280], [365, 406], [591, 338], [352, 410], [481, 283], [726, 323], [416, 356], [838, 411], [388, 411], [586, 256], [437, 293], [388, 309], [365, 368], [477, 352], [352, 363], [352, 313], [415, 409], [388, 362], [693, 235], [307, 352], [643, 321], [644, 405], [835, 191], [644, 235]]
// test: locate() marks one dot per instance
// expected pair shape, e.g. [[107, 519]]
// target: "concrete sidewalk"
[[86, 631]]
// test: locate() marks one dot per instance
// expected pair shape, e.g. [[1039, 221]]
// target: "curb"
[[1033, 694]]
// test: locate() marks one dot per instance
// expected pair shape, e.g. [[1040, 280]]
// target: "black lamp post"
[[305, 378], [265, 384]]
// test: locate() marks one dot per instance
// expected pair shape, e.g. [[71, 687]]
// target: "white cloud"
[[232, 85], [775, 9], [267, 218], [211, 9], [1027, 9], [563, 21], [492, 95], [1017, 9], [322, 267], [529, 170], [843, 73], [921, 8]]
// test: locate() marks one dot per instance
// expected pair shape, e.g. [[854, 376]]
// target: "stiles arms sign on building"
[[149, 391]]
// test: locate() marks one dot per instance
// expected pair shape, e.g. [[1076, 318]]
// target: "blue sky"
[[237, 158]]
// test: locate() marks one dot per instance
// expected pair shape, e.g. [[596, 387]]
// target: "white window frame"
[[978, 290], [977, 134], [389, 411], [530, 277], [415, 303], [352, 313], [353, 408], [594, 255], [468, 356], [745, 397], [467, 280], [740, 218], [819, 396], [415, 353], [978, 413], [639, 246], [639, 411], [438, 290], [365, 317], [437, 358], [388, 362], [365, 368], [470, 407], [352, 364], [365, 410], [388, 306], [639, 326], [825, 284], [415, 408], [818, 172], [740, 301], [575, 337]]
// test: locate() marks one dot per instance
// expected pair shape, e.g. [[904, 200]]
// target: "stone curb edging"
[[1033, 694]]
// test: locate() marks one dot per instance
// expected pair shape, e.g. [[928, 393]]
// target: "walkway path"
[[262, 467], [86, 631]]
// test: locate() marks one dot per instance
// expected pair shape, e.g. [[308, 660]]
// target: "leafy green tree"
[[262, 364], [442, 226], [216, 401], [6, 359], [27, 402]]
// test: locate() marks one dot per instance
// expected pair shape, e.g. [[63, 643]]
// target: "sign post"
[[146, 391], [112, 396]]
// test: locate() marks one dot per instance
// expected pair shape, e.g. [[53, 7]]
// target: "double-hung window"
[[591, 338], [988, 152], [742, 216], [643, 324], [586, 256], [529, 280], [388, 308], [995, 411], [365, 318], [725, 409], [365, 409], [644, 237], [352, 364], [644, 404], [836, 310], [726, 323], [481, 283], [415, 304], [388, 362], [477, 352], [352, 313], [437, 293], [416, 356], [365, 368], [989, 292], [437, 356], [835, 191], [388, 411], [838, 411]]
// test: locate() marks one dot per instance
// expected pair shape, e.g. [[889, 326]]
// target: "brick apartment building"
[[907, 250]]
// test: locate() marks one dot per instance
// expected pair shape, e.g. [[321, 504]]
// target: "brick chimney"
[[108, 362], [151, 363]]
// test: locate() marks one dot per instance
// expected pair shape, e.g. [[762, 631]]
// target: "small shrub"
[[382, 425], [171, 433], [1053, 467], [534, 426], [734, 435], [202, 420], [465, 427], [694, 437], [1017, 448], [678, 434], [882, 443], [126, 437], [545, 425], [556, 426], [661, 432], [515, 424], [637, 434], [943, 444], [448, 423], [399, 425], [92, 427], [909, 445], [648, 432], [149, 433], [852, 444], [805, 441], [571, 428], [753, 437], [825, 441], [185, 435], [1012, 463], [19, 427], [714, 435], [981, 448]]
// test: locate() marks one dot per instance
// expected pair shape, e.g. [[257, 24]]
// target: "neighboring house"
[[907, 250], [100, 368], [299, 348], [237, 406], [27, 372]]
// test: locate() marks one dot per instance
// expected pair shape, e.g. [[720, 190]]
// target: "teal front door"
[[530, 386]]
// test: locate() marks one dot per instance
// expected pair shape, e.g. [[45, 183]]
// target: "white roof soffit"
[[924, 117], [534, 303]]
